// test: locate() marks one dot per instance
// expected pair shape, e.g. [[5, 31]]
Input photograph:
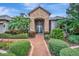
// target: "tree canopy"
[[73, 17], [71, 22]]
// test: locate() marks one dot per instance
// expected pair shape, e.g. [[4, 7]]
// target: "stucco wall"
[[53, 24], [3, 26]]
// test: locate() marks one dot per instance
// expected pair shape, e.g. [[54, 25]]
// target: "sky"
[[14, 9]]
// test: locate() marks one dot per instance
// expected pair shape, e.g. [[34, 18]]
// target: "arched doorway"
[[39, 25]]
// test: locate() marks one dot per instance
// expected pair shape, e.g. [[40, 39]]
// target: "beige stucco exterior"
[[41, 14], [3, 26]]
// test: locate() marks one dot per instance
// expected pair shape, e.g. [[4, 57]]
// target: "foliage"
[[73, 18], [61, 23], [3, 44], [16, 36], [4, 35], [7, 54], [71, 23], [55, 45], [73, 11], [74, 38], [57, 33], [20, 36], [46, 36], [73, 26], [19, 23], [69, 52], [32, 34], [20, 48]]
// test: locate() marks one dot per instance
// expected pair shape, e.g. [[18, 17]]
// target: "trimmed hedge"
[[20, 48], [69, 52], [7, 54], [74, 39], [16, 36], [55, 45], [57, 33]]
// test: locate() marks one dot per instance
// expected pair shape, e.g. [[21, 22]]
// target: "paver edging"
[[31, 51], [47, 47], [11, 40]]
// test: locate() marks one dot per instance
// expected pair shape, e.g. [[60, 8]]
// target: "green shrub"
[[20, 36], [7, 45], [7, 54], [3, 44], [77, 49], [46, 36], [69, 52], [15, 32], [16, 36], [74, 38], [55, 45], [32, 34], [20, 48], [57, 33], [4, 35]]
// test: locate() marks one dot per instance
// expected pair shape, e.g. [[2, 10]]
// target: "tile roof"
[[5, 17]]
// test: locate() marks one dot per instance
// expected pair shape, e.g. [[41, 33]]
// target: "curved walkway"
[[39, 46]]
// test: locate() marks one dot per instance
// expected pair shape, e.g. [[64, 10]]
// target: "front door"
[[39, 27]]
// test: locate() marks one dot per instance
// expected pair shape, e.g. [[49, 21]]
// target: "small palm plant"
[[19, 23]]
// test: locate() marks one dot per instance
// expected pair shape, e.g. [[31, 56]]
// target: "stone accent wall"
[[46, 25], [41, 14], [32, 25]]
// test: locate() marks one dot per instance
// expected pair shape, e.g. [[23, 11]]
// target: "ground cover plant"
[[46, 36], [55, 45], [20, 48], [69, 52], [7, 54], [74, 39], [14, 36], [2, 45]]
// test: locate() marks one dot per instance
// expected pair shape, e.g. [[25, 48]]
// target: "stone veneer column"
[[46, 25], [32, 25]]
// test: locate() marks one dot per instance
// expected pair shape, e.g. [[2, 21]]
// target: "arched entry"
[[39, 25]]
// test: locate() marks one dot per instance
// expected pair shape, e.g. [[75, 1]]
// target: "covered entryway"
[[39, 25], [39, 20]]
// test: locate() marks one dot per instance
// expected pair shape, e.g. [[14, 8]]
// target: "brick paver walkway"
[[39, 46]]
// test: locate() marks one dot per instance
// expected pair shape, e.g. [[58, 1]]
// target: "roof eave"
[[37, 8]]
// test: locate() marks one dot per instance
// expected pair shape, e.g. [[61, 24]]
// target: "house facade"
[[4, 19], [40, 21]]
